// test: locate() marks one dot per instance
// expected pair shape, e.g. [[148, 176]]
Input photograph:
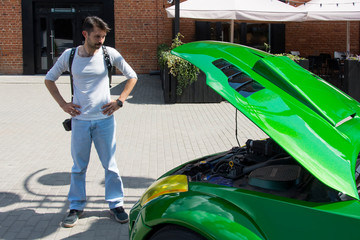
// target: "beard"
[[98, 45], [94, 46]]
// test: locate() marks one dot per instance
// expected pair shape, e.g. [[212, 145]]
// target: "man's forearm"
[[54, 91], [70, 108], [129, 86]]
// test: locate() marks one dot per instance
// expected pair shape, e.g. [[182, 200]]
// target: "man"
[[92, 115]]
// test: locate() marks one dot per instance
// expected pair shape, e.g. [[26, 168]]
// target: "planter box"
[[162, 77], [199, 92], [168, 83], [351, 82]]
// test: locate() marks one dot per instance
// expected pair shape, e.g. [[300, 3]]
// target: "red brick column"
[[11, 57]]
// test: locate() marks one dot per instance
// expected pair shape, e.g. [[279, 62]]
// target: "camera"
[[67, 124]]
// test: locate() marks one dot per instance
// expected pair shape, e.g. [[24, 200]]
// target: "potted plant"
[[303, 62], [185, 83], [162, 50]]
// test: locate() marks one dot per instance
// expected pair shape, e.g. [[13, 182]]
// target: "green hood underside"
[[313, 121]]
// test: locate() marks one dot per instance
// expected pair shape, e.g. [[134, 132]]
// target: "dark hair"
[[93, 21]]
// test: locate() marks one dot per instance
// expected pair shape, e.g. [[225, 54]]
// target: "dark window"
[[257, 34], [249, 34], [237, 79]]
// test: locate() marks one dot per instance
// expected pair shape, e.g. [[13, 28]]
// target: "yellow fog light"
[[170, 184]]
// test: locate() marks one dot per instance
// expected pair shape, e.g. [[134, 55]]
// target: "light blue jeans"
[[102, 133]]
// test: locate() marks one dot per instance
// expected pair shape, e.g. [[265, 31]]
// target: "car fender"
[[210, 216]]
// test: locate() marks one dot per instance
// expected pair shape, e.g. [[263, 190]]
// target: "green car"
[[300, 183]]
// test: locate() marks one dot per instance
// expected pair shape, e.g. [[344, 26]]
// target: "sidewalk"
[[152, 137]]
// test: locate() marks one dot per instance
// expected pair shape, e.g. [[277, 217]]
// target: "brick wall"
[[313, 38], [141, 25], [11, 37]]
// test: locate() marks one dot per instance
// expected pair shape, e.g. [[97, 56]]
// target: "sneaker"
[[120, 214], [72, 218]]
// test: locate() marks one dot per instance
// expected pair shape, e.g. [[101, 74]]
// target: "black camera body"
[[67, 124]]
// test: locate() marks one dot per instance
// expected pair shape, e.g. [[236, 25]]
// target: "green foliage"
[[162, 49], [356, 58], [267, 47], [292, 57], [185, 72]]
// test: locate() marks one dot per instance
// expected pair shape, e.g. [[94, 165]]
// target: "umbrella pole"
[[232, 31], [347, 37], [177, 18]]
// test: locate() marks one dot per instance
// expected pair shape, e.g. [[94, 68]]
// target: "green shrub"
[[185, 72], [292, 57], [161, 50]]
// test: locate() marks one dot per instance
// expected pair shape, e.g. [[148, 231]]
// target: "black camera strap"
[[71, 58], [107, 61]]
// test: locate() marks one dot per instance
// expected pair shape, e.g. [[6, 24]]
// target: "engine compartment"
[[263, 166]]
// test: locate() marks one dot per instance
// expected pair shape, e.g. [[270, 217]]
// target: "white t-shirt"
[[91, 82]]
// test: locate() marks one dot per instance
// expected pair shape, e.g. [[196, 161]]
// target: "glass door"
[[61, 37], [42, 45], [53, 26], [57, 28], [54, 29]]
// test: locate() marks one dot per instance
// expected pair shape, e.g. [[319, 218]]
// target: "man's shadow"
[[27, 223]]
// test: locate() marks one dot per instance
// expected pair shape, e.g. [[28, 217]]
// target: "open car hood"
[[312, 120]]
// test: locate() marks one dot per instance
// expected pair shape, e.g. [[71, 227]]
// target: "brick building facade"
[[140, 26], [11, 61]]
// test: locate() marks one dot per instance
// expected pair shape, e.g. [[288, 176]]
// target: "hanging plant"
[[162, 49], [185, 72]]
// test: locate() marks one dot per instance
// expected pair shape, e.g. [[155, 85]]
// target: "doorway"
[[55, 27], [54, 34]]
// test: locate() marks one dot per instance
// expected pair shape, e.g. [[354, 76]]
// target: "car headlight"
[[166, 185]]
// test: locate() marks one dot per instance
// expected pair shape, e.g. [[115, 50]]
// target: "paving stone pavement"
[[152, 137]]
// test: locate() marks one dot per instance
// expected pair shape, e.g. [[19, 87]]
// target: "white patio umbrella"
[[333, 10], [246, 10]]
